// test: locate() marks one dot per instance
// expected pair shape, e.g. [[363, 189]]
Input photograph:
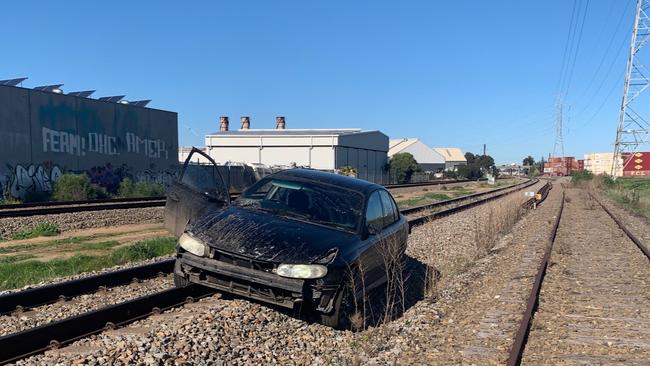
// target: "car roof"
[[353, 184]]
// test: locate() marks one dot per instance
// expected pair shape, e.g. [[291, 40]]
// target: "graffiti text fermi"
[[151, 148]]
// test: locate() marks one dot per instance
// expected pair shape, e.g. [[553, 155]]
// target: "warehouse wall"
[[45, 134]]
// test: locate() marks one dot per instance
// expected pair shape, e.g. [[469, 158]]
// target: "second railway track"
[[590, 300]]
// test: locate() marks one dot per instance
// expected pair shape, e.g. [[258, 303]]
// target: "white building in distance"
[[323, 149], [454, 157], [428, 159]]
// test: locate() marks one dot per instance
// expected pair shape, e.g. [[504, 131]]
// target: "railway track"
[[50, 208], [55, 334], [590, 298]]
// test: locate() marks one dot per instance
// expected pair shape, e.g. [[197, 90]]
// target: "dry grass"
[[503, 215]]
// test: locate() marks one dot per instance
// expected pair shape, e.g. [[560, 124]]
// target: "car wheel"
[[180, 281]]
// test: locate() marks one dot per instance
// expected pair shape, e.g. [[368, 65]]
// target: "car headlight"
[[192, 245], [306, 271]]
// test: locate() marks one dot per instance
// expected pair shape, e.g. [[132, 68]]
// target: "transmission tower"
[[558, 147], [633, 131]]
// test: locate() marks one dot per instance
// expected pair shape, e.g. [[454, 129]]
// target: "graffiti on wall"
[[74, 144], [25, 179]]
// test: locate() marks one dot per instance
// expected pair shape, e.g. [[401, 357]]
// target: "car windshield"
[[309, 201]]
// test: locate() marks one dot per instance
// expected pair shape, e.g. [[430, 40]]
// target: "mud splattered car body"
[[293, 239]]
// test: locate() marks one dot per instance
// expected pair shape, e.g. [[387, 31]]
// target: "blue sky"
[[451, 73]]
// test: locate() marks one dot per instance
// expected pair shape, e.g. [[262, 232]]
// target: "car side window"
[[374, 212], [389, 208]]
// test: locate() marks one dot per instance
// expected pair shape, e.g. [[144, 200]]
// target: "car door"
[[199, 188], [395, 233], [370, 258]]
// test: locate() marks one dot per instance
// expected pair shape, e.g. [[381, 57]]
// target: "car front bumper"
[[252, 283]]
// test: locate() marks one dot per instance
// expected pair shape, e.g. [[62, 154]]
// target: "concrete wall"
[[45, 135]]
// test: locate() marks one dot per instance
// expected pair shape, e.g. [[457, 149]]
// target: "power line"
[[607, 49], [569, 40], [577, 49]]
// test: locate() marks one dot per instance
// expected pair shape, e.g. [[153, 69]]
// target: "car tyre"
[[180, 281], [340, 317]]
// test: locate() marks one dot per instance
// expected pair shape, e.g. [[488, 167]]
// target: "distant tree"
[[402, 166], [529, 160], [477, 166], [470, 171]]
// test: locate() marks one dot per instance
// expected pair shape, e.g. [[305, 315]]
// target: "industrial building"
[[46, 132], [428, 159], [454, 157], [323, 149]]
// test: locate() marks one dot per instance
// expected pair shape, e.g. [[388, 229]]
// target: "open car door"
[[199, 188]]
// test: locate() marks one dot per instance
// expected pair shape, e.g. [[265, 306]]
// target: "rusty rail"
[[517, 349], [629, 234]]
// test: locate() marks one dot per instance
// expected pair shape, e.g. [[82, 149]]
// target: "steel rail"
[[629, 234], [487, 196], [521, 336], [52, 335], [80, 208], [410, 210], [79, 202], [26, 299]]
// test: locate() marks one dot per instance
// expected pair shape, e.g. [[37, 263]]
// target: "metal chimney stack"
[[279, 123], [245, 123], [223, 124]]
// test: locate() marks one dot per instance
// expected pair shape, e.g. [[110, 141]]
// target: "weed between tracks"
[[15, 272], [502, 216]]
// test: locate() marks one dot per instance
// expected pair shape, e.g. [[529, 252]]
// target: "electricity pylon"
[[633, 131], [558, 147]]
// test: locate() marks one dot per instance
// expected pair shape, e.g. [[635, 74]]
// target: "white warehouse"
[[323, 149]]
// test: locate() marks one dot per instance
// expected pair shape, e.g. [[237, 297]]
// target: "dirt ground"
[[91, 241]]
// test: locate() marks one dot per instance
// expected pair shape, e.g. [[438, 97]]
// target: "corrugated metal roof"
[[290, 132], [397, 145], [451, 153]]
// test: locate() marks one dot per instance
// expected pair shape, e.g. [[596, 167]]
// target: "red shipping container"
[[637, 165]]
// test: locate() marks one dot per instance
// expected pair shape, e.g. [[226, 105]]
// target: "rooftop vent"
[[245, 123], [223, 123], [279, 123]]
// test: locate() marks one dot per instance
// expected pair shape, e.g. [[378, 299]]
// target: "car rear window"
[[309, 201]]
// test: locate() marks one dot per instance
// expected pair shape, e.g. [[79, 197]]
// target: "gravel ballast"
[[83, 220], [19, 321]]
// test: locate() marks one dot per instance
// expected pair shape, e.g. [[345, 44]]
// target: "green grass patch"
[[42, 229], [15, 258], [420, 200], [104, 245], [18, 248], [16, 275]]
